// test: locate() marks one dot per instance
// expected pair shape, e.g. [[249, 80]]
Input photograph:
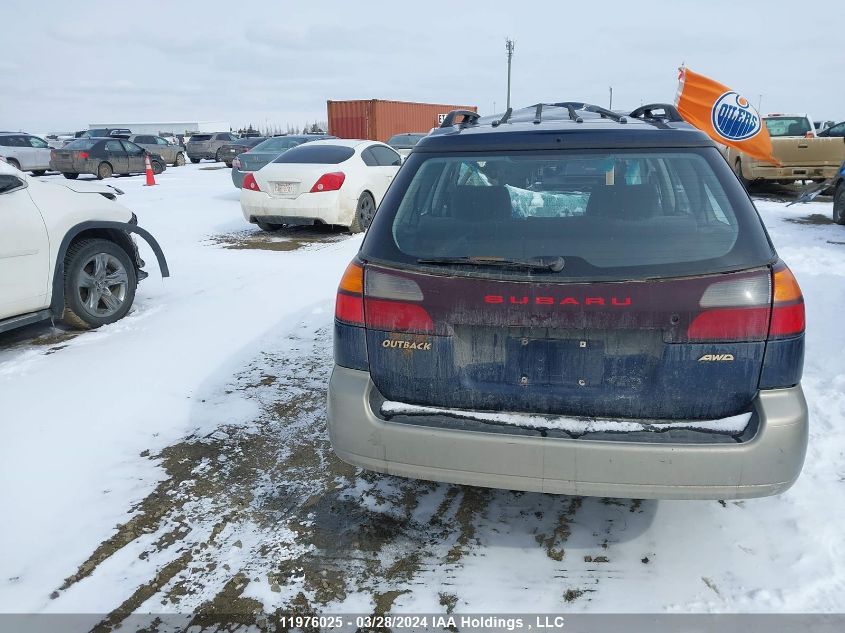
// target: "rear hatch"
[[627, 284], [199, 143]]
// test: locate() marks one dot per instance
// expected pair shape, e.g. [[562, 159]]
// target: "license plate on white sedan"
[[284, 188]]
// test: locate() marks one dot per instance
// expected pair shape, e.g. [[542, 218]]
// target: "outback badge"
[[397, 344], [716, 357]]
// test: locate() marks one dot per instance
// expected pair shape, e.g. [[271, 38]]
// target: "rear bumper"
[[795, 172], [325, 207], [767, 464]]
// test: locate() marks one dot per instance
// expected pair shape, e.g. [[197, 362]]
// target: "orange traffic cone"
[[150, 177]]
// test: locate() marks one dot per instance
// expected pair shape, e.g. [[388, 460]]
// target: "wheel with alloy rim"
[[157, 167], [104, 171], [364, 213], [100, 282], [180, 160], [839, 204]]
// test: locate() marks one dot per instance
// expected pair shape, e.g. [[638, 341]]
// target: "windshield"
[[623, 214], [278, 144], [404, 141], [788, 126]]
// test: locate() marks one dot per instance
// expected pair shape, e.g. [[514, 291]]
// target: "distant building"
[[172, 127]]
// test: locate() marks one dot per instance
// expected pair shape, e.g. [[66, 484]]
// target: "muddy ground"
[[264, 512]]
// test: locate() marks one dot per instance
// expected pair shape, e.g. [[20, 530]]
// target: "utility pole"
[[610, 103], [509, 46]]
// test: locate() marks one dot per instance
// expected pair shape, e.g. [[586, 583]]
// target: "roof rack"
[[589, 107], [670, 113], [468, 117]]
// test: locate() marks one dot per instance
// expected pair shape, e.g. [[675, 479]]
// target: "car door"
[[388, 161], [135, 157], [24, 250], [21, 151], [40, 153], [116, 156]]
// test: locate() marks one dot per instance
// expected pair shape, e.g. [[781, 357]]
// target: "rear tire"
[[70, 176], [39, 172], [104, 170], [195, 160], [228, 163], [180, 160], [217, 158], [267, 226], [839, 204], [364, 213], [157, 167], [100, 282]]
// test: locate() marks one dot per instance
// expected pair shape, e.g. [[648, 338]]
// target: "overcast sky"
[[66, 64]]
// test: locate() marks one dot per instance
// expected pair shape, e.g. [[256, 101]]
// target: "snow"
[[213, 353], [574, 426]]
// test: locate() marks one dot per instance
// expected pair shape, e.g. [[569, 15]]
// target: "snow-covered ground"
[[178, 460]]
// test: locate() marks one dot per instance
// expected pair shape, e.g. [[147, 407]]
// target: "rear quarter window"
[[200, 137], [309, 153], [610, 215]]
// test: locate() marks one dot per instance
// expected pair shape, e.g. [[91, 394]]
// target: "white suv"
[[66, 252]]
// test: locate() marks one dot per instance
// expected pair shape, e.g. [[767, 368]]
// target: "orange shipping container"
[[378, 120]]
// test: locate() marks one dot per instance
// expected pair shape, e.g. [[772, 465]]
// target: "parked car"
[[267, 151], [802, 154], [839, 196], [565, 300], [404, 143], [66, 252], [823, 125], [837, 129], [229, 151], [97, 132], [25, 151], [171, 153], [323, 182], [103, 157], [208, 145]]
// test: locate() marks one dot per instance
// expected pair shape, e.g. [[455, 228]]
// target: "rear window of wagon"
[[612, 215]]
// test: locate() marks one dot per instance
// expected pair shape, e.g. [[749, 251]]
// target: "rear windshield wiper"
[[554, 264]]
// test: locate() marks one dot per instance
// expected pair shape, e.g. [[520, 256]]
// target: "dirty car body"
[[581, 305]]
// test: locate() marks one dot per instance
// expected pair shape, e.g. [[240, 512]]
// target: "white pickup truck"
[[802, 154]]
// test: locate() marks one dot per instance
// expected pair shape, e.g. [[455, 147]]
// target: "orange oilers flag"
[[723, 114]]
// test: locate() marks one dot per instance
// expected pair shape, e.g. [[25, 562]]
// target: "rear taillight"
[[329, 182], [83, 155], [787, 304], [250, 183], [753, 308], [384, 302], [349, 306]]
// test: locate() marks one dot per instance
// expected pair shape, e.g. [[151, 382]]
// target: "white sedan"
[[323, 182]]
